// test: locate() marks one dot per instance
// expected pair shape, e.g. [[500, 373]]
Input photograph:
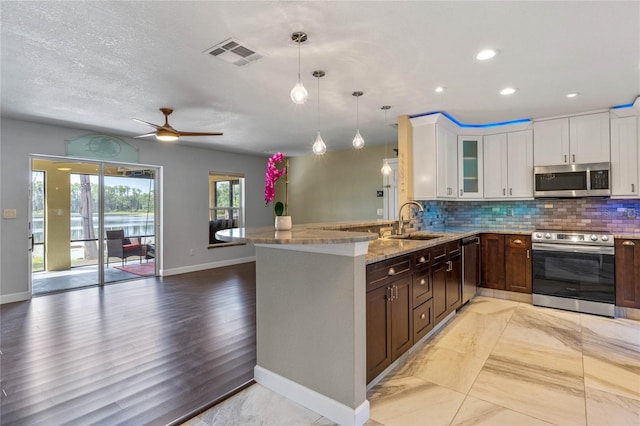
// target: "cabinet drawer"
[[438, 253], [422, 259], [453, 248], [382, 272], [422, 289], [422, 320], [518, 241]]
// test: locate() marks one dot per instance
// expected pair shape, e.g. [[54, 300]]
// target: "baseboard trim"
[[203, 266], [14, 297], [321, 404]]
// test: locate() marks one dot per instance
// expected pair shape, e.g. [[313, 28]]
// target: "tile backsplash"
[[588, 214]]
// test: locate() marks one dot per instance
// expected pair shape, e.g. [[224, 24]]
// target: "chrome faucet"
[[400, 229]]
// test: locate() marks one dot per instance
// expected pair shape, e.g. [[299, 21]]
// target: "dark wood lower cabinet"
[[627, 273], [378, 332], [454, 283], [439, 277], [401, 317], [492, 249], [406, 297], [506, 262], [517, 262]]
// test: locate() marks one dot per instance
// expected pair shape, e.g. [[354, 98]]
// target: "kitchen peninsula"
[[310, 317]]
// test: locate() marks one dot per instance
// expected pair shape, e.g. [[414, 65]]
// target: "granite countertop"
[[379, 248], [299, 234]]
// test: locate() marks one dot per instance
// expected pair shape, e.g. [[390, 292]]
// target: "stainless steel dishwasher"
[[470, 267]]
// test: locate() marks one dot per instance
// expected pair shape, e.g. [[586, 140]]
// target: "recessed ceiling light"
[[572, 95], [485, 54], [440, 89], [508, 91]]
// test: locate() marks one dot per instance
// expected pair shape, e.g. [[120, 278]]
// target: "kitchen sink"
[[414, 237]]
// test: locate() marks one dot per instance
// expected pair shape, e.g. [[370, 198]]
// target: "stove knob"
[[547, 236], [594, 238], [538, 235], [605, 238]]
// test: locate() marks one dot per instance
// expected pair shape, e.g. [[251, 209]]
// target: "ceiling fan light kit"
[[166, 133]]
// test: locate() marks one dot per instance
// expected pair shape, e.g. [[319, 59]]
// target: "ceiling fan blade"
[[146, 135], [155, 126], [199, 134]]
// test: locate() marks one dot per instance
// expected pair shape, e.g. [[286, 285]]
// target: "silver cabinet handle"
[[395, 292], [510, 191], [574, 158], [423, 281], [565, 158], [633, 187], [628, 243], [528, 254], [391, 272], [461, 192], [504, 191]]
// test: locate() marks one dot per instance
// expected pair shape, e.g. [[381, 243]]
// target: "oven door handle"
[[572, 248]]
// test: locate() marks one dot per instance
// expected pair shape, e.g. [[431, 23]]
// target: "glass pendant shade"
[[319, 147], [299, 94], [358, 142], [386, 168]]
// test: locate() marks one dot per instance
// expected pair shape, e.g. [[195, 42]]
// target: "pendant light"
[[299, 94], [319, 147], [386, 168], [358, 141]]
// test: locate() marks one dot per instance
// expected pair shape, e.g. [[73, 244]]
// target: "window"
[[226, 203]]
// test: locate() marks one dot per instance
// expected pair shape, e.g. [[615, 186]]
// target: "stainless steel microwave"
[[573, 180]]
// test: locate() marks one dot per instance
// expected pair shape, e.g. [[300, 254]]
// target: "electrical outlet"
[[631, 212], [380, 212], [509, 211], [191, 252]]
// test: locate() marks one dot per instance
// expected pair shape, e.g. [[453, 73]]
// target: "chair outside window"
[[121, 247]]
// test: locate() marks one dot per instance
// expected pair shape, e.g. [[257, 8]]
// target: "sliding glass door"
[[129, 222], [75, 206]]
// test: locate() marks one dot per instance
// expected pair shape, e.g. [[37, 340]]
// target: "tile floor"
[[497, 362]]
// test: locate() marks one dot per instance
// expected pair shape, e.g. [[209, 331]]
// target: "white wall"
[[184, 202]]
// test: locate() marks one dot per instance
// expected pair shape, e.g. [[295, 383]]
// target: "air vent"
[[234, 52]]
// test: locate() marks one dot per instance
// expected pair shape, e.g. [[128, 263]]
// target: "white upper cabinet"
[[589, 138], [435, 158], [520, 172], [551, 145], [624, 157], [508, 165], [495, 166], [470, 166], [580, 139], [447, 148]]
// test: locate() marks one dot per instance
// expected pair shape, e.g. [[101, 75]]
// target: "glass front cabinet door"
[[470, 167]]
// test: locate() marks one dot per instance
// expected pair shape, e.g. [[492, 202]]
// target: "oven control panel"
[[562, 237]]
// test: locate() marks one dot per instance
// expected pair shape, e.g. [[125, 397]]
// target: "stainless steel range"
[[574, 271]]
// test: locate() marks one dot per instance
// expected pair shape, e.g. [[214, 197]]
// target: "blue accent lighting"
[[474, 126]]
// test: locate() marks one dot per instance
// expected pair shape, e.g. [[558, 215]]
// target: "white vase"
[[283, 223]]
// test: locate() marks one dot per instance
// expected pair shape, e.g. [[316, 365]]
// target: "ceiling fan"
[[167, 133]]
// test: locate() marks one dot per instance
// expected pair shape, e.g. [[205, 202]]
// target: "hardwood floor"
[[151, 351]]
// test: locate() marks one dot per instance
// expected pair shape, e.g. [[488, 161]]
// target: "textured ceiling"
[[96, 65]]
